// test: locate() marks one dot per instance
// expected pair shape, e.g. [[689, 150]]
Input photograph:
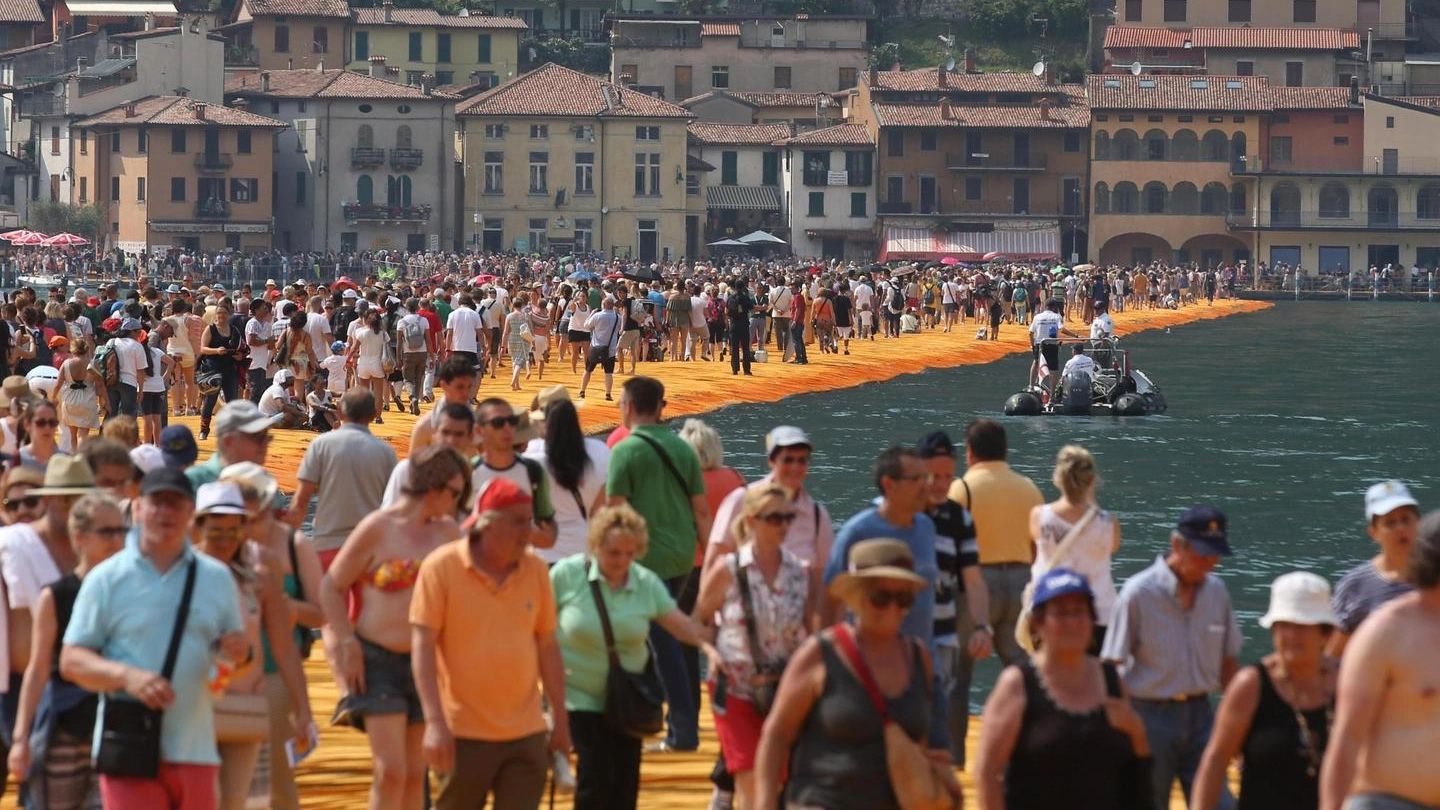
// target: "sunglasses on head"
[[29, 502], [884, 598], [498, 422]]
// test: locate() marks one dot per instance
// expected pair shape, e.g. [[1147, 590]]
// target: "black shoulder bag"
[[767, 677], [1136, 790], [130, 730], [634, 701], [304, 636]]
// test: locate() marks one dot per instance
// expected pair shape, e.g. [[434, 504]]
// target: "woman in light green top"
[[608, 762]]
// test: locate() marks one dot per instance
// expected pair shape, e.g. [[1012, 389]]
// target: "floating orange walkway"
[[337, 776]]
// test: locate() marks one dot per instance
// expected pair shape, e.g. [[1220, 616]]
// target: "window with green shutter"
[[417, 46], [484, 55], [729, 168], [770, 169], [442, 48], [362, 46]]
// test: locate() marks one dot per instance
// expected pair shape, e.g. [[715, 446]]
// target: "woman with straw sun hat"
[[825, 723], [1288, 696]]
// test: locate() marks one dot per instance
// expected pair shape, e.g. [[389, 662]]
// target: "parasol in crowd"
[[949, 261], [727, 243], [582, 275], [11, 236], [483, 278], [641, 274], [761, 237], [32, 238], [66, 239]]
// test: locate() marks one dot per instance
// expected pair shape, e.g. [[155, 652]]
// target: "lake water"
[[1281, 418]]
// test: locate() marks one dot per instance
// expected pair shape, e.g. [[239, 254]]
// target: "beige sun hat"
[[883, 558], [67, 475], [1300, 597]]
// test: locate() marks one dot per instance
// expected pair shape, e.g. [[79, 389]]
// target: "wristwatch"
[[986, 628]]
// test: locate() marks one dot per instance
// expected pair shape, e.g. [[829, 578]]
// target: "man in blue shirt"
[[120, 631], [903, 481]]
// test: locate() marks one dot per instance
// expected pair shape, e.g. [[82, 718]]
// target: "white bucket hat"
[[1300, 597]]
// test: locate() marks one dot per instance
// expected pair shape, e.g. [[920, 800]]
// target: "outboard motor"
[[1075, 392]]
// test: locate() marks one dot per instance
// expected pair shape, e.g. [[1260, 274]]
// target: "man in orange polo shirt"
[[483, 619]]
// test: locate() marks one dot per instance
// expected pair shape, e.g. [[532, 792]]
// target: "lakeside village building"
[[1258, 130]]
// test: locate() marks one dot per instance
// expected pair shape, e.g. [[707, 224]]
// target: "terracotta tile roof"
[[738, 134], [993, 116], [555, 90], [1310, 98], [175, 111], [298, 8], [927, 79], [20, 11], [1119, 37], [776, 99], [722, 29], [1419, 101], [838, 135], [326, 84], [1185, 93], [41, 46], [430, 18]]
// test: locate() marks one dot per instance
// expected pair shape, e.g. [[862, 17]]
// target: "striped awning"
[[1026, 242], [743, 198]]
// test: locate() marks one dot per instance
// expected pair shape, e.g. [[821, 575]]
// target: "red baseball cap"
[[496, 494]]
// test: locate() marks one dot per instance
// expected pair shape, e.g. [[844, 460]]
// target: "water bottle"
[[564, 777]]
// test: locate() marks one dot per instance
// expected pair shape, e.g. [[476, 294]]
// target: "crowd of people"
[[514, 593]]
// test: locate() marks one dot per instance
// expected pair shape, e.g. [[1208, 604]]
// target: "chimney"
[[241, 104], [264, 81], [969, 60], [130, 110], [392, 71], [1354, 91], [199, 109], [942, 76], [1045, 109], [320, 65], [427, 83], [626, 80], [377, 66], [82, 62], [150, 21], [389, 7], [1050, 77], [946, 112]]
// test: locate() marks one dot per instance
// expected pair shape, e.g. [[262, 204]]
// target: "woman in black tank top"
[[1058, 730], [1277, 714]]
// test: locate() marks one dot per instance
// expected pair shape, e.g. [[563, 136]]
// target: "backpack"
[[734, 306], [929, 296], [414, 333], [107, 364], [897, 297], [534, 471]]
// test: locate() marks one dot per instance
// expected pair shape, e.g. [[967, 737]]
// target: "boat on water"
[[1115, 388]]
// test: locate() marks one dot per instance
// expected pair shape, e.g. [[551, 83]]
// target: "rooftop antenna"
[[1038, 69], [950, 64], [947, 39], [1136, 68]]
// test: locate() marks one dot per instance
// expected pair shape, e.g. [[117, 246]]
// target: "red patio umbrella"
[[66, 239], [32, 238], [483, 278], [11, 236]]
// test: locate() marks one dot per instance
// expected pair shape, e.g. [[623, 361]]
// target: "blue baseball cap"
[[1058, 582], [1206, 529], [177, 446]]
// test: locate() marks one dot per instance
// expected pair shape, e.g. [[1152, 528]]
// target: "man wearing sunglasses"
[[904, 483], [496, 426], [33, 555]]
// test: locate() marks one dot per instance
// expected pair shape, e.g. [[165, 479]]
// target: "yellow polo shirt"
[[487, 639], [1002, 500]]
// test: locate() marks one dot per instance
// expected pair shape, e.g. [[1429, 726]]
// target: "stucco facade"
[[680, 58], [557, 161], [831, 210], [453, 49], [1387, 17]]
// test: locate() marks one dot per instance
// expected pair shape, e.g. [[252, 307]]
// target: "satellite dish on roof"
[[1135, 68], [950, 64], [1038, 69]]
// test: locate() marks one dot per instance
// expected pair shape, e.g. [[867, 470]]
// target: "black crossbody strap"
[[669, 465], [604, 618], [295, 568], [181, 617], [752, 630], [580, 502]]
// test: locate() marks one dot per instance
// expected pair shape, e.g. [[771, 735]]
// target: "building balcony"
[[365, 157], [984, 162], [406, 159], [213, 162], [1385, 30], [385, 214], [1285, 220], [213, 208], [894, 208], [242, 56], [838, 177], [770, 43]]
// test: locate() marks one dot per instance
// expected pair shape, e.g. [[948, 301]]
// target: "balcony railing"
[[1332, 220], [212, 208], [404, 159], [365, 157], [894, 208], [841, 177], [211, 162], [1390, 30], [242, 56], [984, 162], [380, 212], [808, 44]]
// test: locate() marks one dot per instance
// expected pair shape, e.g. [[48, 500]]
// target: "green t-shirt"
[[593, 297], [582, 641], [639, 475], [443, 310]]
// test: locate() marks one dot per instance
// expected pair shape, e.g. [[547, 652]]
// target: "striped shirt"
[[1164, 650]]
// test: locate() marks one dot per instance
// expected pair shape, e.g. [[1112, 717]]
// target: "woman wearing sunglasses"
[[53, 755], [762, 621], [38, 431], [824, 723], [18, 505]]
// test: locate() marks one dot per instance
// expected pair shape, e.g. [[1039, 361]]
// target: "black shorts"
[[1052, 355], [495, 340], [389, 687], [152, 403], [577, 337], [600, 356]]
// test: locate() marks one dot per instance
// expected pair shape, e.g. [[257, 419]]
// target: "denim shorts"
[[389, 687], [1383, 801]]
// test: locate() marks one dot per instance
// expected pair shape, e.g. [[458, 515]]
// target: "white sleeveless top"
[[1089, 555]]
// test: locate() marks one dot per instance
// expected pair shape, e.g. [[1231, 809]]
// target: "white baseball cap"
[[1300, 597], [220, 498], [1387, 496]]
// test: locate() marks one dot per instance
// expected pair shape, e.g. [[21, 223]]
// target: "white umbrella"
[[727, 243], [756, 237]]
